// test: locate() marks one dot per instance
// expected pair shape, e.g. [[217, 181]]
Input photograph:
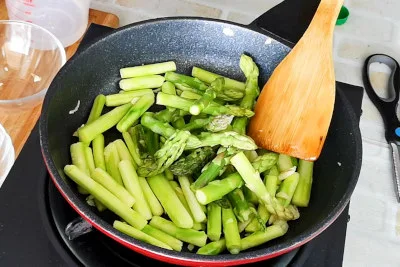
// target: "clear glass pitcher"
[[66, 19]]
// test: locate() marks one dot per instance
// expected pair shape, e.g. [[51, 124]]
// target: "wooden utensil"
[[295, 107]]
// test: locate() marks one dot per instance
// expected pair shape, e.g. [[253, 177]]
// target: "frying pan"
[[214, 45]]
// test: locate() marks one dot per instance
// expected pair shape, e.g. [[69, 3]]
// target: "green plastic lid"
[[343, 16]]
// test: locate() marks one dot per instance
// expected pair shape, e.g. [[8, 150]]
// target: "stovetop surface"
[[34, 215]]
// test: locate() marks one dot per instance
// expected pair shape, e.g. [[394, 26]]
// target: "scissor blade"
[[396, 168]]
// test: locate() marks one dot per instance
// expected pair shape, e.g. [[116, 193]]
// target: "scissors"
[[387, 108]]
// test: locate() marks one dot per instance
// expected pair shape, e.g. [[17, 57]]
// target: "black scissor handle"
[[386, 106]]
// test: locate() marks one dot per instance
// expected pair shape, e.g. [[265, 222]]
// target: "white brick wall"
[[373, 236]]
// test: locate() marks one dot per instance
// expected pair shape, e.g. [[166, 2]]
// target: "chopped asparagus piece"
[[132, 147], [195, 208], [197, 238], [139, 235], [168, 88], [150, 81], [170, 202], [261, 237], [97, 108], [214, 221], [193, 162], [106, 197], [239, 203], [213, 248], [171, 241], [149, 69], [105, 122], [120, 99], [302, 193], [112, 159], [98, 152], [218, 188], [209, 77], [231, 231], [284, 163], [152, 201]]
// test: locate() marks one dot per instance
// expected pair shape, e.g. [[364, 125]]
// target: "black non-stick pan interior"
[[216, 46]]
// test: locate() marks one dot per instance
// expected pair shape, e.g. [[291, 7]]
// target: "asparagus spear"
[[195, 208], [134, 113], [214, 221], [98, 152], [219, 123], [254, 183], [78, 157], [120, 99], [197, 238], [209, 95], [179, 193], [167, 239], [97, 108], [170, 151], [152, 201], [231, 231], [261, 237], [112, 159], [170, 202], [212, 171], [287, 188], [271, 184], [152, 141], [106, 197], [103, 178], [190, 95], [250, 196], [149, 69], [212, 109], [227, 139], [218, 188], [123, 151], [132, 184], [213, 248], [209, 77], [302, 194], [284, 163], [240, 206], [185, 80], [192, 163], [105, 122], [169, 175], [265, 162], [197, 124], [132, 147], [258, 223], [139, 235], [149, 81], [168, 88]]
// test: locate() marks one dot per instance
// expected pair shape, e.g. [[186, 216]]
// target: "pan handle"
[[287, 21]]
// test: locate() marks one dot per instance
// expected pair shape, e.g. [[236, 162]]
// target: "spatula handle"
[[325, 18]]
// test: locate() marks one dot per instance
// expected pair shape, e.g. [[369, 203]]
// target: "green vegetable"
[[287, 188], [217, 189], [214, 221], [132, 184], [261, 237], [152, 201], [209, 77], [168, 88], [302, 193], [139, 235], [150, 81], [258, 223], [213, 248], [103, 178], [185, 80], [192, 163], [106, 197], [167, 239], [112, 159], [231, 231], [149, 69], [105, 122], [284, 163], [97, 108], [197, 238], [195, 208], [78, 157], [138, 108], [190, 95], [123, 151], [98, 152], [170, 202], [120, 99], [132, 147], [239, 203], [208, 96], [251, 72], [265, 162]]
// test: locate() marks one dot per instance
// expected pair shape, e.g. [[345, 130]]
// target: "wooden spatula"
[[294, 109]]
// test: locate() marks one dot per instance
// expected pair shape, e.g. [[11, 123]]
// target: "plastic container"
[[7, 154], [30, 58], [66, 19]]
